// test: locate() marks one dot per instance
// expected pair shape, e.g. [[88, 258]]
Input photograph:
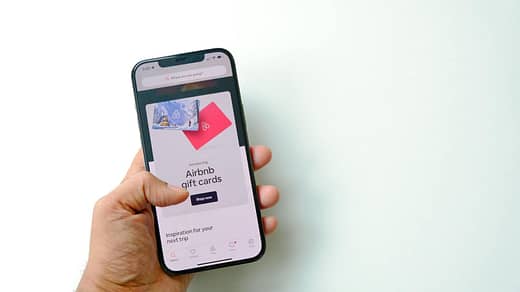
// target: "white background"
[[394, 127]]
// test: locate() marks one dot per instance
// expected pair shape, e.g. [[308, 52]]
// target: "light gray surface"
[[394, 127], [396, 148]]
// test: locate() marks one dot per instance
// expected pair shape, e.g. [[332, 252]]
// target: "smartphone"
[[193, 135]]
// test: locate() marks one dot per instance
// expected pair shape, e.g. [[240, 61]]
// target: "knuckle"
[[101, 203], [146, 182], [145, 177]]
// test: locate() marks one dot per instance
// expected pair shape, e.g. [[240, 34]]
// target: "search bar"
[[186, 76]]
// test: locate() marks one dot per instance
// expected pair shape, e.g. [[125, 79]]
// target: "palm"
[[123, 250], [145, 267]]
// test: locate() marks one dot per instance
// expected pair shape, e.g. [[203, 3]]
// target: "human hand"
[[123, 250]]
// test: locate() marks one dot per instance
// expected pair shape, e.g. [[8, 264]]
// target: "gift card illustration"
[[212, 121], [176, 115]]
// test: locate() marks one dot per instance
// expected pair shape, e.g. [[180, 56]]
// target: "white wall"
[[394, 127]]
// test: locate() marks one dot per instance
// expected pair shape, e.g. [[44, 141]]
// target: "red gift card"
[[212, 122]]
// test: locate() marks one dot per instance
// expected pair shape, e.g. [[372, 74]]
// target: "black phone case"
[[183, 59]]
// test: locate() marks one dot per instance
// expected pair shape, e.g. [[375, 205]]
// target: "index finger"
[[261, 156]]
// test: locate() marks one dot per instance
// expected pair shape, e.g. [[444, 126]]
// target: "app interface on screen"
[[191, 114]]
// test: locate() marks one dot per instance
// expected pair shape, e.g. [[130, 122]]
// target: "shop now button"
[[204, 198]]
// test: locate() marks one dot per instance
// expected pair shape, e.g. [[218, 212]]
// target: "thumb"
[[142, 189]]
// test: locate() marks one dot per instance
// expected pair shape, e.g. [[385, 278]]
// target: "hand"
[[123, 251]]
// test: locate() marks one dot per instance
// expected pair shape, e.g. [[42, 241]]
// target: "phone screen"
[[194, 136]]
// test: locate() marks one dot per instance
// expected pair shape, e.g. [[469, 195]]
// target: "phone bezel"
[[238, 99]]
